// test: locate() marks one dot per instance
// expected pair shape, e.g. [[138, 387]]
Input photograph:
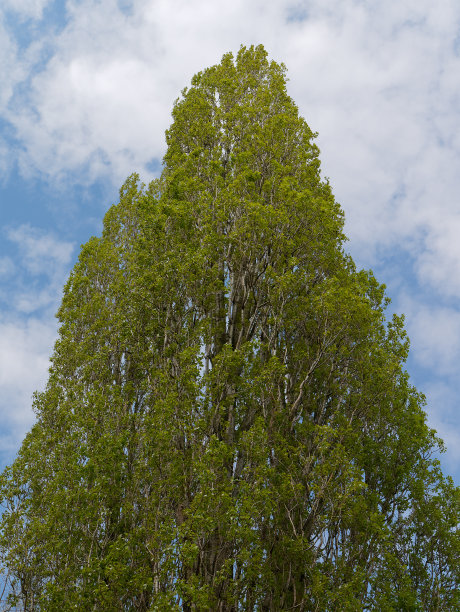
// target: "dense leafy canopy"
[[227, 423]]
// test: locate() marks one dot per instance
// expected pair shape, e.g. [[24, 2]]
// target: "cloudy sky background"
[[86, 91]]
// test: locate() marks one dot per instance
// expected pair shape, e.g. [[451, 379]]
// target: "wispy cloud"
[[434, 331], [41, 252], [7, 267], [42, 264], [26, 8], [31, 281], [25, 347], [442, 399]]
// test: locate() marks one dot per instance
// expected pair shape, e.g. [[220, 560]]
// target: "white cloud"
[[434, 332], [439, 264], [30, 285], [7, 267], [25, 347], [24, 359], [42, 264], [26, 8], [442, 399], [42, 253], [372, 88], [10, 67]]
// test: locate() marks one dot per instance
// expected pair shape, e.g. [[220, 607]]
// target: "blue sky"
[[86, 94]]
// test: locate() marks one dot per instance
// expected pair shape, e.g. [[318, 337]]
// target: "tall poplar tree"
[[228, 424]]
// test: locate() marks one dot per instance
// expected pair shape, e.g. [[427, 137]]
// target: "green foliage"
[[227, 423]]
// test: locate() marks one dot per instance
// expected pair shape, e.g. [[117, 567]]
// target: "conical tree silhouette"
[[227, 423]]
